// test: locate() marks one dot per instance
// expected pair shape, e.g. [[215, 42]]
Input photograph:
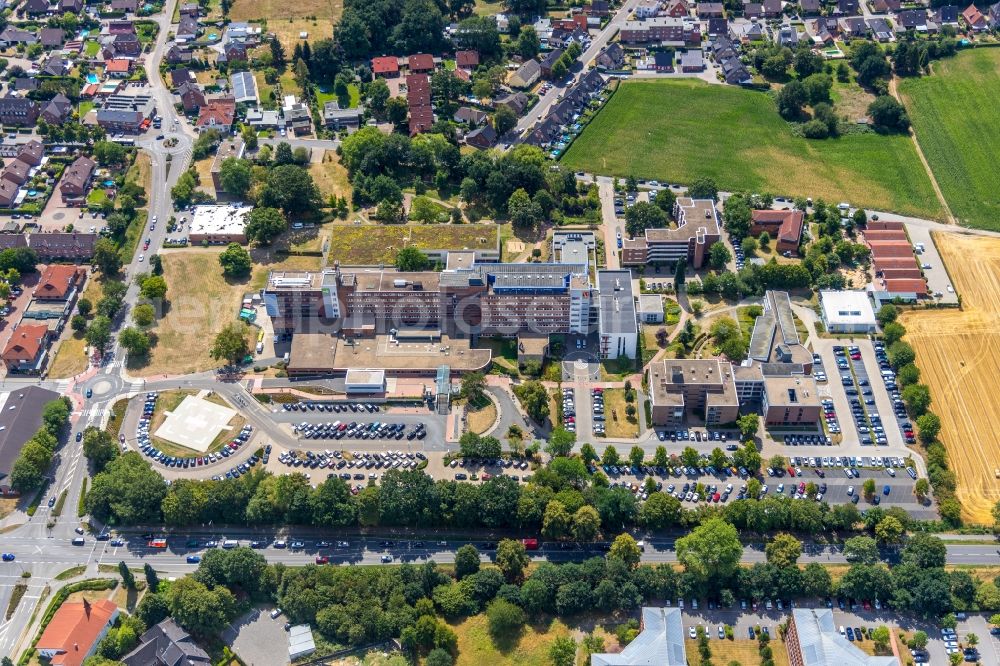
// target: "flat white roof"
[[357, 377], [847, 307], [231, 219], [650, 303]]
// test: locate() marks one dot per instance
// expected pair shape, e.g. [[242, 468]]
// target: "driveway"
[[257, 639], [937, 277]]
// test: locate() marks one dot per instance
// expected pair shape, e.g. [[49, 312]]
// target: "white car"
[[141, 256], [692, 632]]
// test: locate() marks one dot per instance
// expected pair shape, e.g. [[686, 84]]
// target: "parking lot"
[[933, 267]]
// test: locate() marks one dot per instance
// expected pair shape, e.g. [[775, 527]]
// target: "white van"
[[230, 544]]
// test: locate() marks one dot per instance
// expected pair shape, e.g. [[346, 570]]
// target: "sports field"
[[957, 121], [958, 353], [681, 130]]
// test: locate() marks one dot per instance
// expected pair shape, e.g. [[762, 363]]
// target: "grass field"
[[70, 358], [476, 648], [374, 243], [276, 11], [481, 420], [618, 425], [957, 122], [202, 302], [958, 353], [682, 130], [742, 650], [330, 176]]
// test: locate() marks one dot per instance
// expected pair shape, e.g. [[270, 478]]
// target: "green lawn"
[[957, 121], [354, 94], [681, 130], [91, 48]]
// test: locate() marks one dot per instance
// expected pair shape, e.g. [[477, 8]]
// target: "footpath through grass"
[[957, 121], [681, 130]]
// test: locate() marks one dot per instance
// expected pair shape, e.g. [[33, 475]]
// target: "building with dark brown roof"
[[467, 59], [217, 113], [63, 245], [76, 179], [418, 97], [783, 225], [421, 63], [18, 111]]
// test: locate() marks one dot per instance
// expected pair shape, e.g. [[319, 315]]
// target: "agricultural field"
[[286, 20], [957, 122], [958, 353], [681, 130], [374, 243]]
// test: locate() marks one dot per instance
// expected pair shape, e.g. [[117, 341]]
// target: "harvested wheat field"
[[959, 357]]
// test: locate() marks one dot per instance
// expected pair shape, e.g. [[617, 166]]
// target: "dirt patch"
[[330, 176], [204, 169], [483, 419], [70, 358], [958, 353], [617, 424], [7, 507]]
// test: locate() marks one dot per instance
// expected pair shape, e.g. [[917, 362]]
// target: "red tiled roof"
[[906, 286], [466, 59], [118, 66], [890, 248], [56, 281], [909, 273], [885, 235], [423, 62], [220, 112], [790, 221], [385, 65], [24, 344], [74, 629], [883, 263]]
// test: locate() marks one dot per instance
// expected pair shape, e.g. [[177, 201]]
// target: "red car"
[[791, 471], [322, 559], [715, 497]]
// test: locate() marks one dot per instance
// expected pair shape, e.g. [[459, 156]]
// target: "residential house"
[[75, 630], [59, 282], [8, 197], [548, 61], [467, 60], [993, 16], [600, 8], [826, 29], [692, 61], [76, 179], [677, 8], [884, 6], [788, 36], [25, 353], [180, 76], [727, 57], [57, 110], [192, 98], [230, 148], [707, 10], [63, 246], [336, 118], [482, 137], [191, 9], [72, 6], [125, 6], [18, 111], [12, 36], [717, 27], [243, 32], [914, 19], [119, 68], [544, 133], [244, 87], [772, 9], [663, 61], [881, 29], [167, 644], [385, 66], [664, 30], [54, 66], [753, 10], [947, 15], [516, 102], [178, 55], [233, 52], [747, 31], [418, 99], [847, 8], [260, 119], [126, 113], [52, 38], [187, 29], [119, 27], [37, 8], [16, 172], [647, 9], [296, 116], [217, 113], [810, 7], [611, 57], [561, 38], [31, 153], [25, 84], [526, 75], [974, 19], [854, 27], [420, 63], [785, 226], [469, 116], [121, 46]]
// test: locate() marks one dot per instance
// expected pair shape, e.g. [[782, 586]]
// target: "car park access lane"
[[889, 421], [832, 388]]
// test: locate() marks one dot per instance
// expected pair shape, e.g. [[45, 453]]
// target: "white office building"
[[847, 312]]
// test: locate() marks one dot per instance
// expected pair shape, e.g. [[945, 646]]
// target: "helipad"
[[195, 423]]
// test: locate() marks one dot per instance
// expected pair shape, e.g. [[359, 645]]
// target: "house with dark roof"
[[718, 26], [913, 19], [663, 61], [753, 10], [707, 10], [469, 116], [600, 8], [16, 172], [881, 29], [418, 98], [25, 84], [516, 102], [8, 196], [37, 7], [611, 57], [121, 46], [76, 179], [57, 110], [783, 225], [336, 118], [544, 132], [847, 8], [54, 66], [26, 349], [466, 59], [420, 63], [18, 111], [12, 36], [482, 137], [854, 27], [810, 7], [74, 6], [947, 15], [126, 6], [19, 425], [166, 644], [52, 38], [63, 245], [125, 113], [178, 55], [187, 28], [772, 8], [192, 98], [993, 16], [548, 61], [180, 76], [190, 9], [31, 153]]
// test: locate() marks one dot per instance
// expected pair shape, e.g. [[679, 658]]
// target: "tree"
[[144, 314], [719, 255], [563, 651], [887, 314], [703, 188], [861, 550], [817, 89], [522, 211], [106, 257], [807, 63], [235, 261], [152, 580], [198, 609], [505, 619], [556, 521], [893, 332], [512, 559], [908, 374], [881, 638], [153, 287], [868, 489], [748, 425], [410, 259], [625, 549], [644, 215], [232, 343], [790, 100], [99, 447], [610, 456], [783, 550], [109, 153], [711, 551], [928, 426], [921, 489], [534, 399], [586, 524], [99, 332], [925, 551], [78, 323], [290, 188], [900, 353], [127, 577], [889, 531], [396, 110], [134, 341], [235, 176], [439, 657], [560, 442], [888, 115], [660, 511], [466, 561], [504, 120], [917, 398], [265, 224]]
